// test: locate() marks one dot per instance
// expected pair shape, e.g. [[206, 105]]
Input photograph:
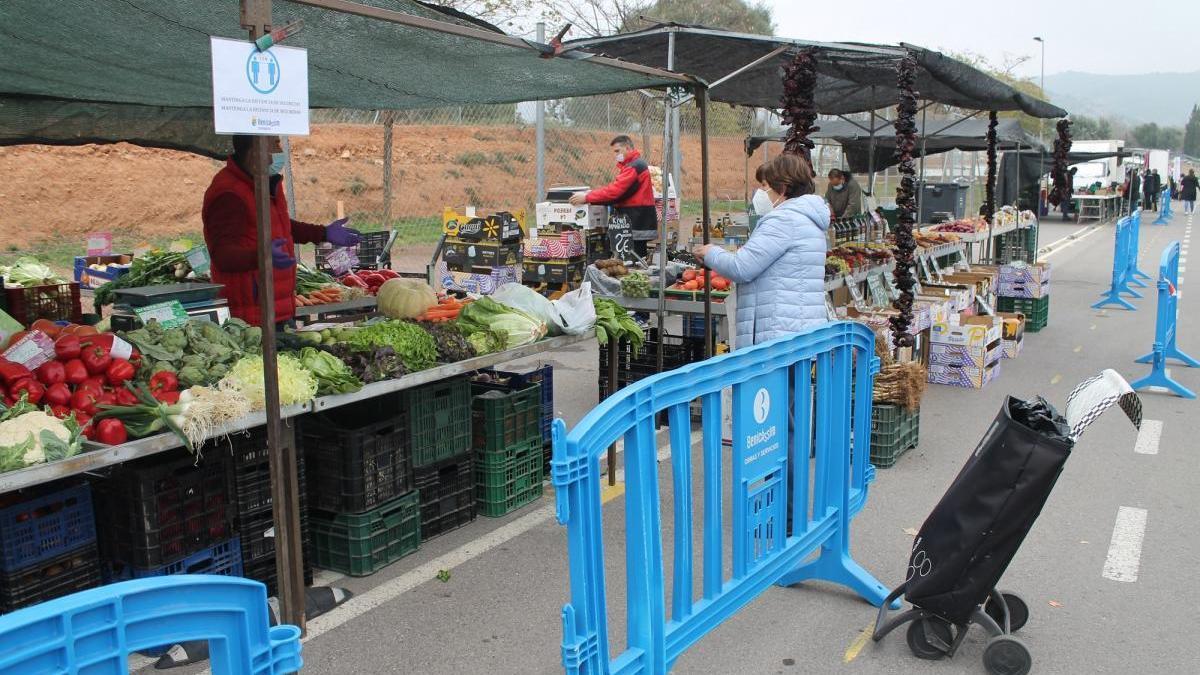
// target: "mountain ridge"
[[1163, 97]]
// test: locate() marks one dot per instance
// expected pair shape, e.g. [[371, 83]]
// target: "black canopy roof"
[[1032, 166], [852, 77]]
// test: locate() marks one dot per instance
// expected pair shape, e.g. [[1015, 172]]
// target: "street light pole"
[[1042, 122]]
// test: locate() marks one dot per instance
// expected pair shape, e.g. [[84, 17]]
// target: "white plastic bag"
[[576, 312], [531, 302]]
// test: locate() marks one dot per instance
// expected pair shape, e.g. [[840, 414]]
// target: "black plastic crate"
[[265, 572], [373, 250], [447, 495], [45, 524], [249, 465], [258, 550], [161, 509], [358, 456], [439, 420], [73, 571]]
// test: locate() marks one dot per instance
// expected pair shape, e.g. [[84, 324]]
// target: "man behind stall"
[[843, 194], [631, 194], [231, 234]]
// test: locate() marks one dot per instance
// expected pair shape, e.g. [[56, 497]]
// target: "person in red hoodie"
[[231, 231], [631, 194]]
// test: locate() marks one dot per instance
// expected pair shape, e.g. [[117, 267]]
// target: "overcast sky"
[[1094, 36]]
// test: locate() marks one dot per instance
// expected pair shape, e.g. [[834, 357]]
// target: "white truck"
[[1104, 171]]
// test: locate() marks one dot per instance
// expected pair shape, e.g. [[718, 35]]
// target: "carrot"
[[300, 301]]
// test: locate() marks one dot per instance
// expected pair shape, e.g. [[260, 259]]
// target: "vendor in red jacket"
[[230, 231], [631, 194]]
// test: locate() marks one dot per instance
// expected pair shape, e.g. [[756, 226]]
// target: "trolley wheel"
[[1018, 611], [930, 638], [1007, 655]]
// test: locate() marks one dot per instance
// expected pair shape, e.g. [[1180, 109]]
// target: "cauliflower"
[[27, 431]]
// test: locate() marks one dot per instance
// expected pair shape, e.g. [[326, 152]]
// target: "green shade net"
[[78, 71]]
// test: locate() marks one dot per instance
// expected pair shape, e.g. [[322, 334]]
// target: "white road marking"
[[1125, 549], [1149, 437], [1182, 269], [1071, 240]]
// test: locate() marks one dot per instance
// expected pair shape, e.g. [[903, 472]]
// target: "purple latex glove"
[[279, 255], [338, 234]]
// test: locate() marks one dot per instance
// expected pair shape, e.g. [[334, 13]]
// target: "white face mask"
[[761, 202], [620, 157], [839, 188]]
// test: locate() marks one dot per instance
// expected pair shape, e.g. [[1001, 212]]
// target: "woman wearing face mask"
[[780, 272], [843, 194], [231, 234]]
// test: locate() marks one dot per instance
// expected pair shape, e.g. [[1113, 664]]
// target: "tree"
[[1086, 128], [1191, 134], [1153, 136], [738, 16]]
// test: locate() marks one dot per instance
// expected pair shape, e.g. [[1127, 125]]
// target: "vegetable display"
[[155, 267], [199, 352], [296, 383], [612, 267], [28, 272], [369, 365], [405, 298], [635, 285], [612, 320], [447, 309], [452, 345], [414, 346], [30, 436], [486, 316], [333, 375]]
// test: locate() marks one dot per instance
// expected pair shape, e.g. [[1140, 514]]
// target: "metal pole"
[[540, 121], [281, 446], [614, 350], [921, 183], [871, 155], [389, 124], [677, 145], [288, 183], [668, 183], [702, 102]]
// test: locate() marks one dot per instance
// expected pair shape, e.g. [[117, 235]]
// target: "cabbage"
[[486, 315], [28, 271], [296, 383]]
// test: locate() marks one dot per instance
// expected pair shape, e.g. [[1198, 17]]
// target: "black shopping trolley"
[[971, 536]]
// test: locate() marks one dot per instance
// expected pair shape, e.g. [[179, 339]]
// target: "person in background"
[[780, 272], [1148, 190], [1133, 190], [1187, 191], [631, 194], [843, 194], [1173, 186], [1158, 186], [231, 233]]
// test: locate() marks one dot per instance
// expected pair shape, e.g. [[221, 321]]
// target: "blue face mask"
[[278, 159]]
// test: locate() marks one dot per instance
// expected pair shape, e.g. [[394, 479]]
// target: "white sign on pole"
[[257, 92]]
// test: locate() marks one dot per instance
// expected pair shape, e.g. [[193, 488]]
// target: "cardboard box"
[[967, 377], [1012, 348], [554, 272], [985, 282], [113, 266], [565, 244], [960, 296], [1012, 324], [939, 308], [466, 256], [477, 282], [506, 227], [585, 216], [1021, 280], [965, 356], [973, 331]]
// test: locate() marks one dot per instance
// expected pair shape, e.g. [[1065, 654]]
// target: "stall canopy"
[[852, 77], [968, 133], [1022, 170], [82, 71]]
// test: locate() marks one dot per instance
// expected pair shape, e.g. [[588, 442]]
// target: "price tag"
[[198, 260], [32, 350], [168, 314], [181, 246], [856, 294], [99, 243], [879, 295], [341, 260], [830, 310], [620, 238]]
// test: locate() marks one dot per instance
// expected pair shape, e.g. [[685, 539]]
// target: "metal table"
[[1097, 207]]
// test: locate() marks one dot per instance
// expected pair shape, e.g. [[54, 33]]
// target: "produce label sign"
[[620, 239], [879, 295], [168, 314], [341, 260], [198, 259], [259, 92], [99, 243], [32, 350]]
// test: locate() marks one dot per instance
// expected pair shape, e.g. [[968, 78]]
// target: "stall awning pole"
[[668, 183], [540, 131], [281, 442], [702, 102], [921, 182]]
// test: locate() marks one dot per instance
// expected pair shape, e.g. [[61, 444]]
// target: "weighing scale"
[[199, 301]]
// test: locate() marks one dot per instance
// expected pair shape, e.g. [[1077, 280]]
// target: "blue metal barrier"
[[801, 394], [1121, 273], [94, 631], [1166, 328], [1164, 211], [1135, 274]]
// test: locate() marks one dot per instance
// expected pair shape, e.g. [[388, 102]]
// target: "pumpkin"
[[404, 298]]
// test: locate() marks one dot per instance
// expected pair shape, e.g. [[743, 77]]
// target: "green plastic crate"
[[502, 419], [362, 544], [503, 485], [439, 416], [894, 431], [1036, 310]]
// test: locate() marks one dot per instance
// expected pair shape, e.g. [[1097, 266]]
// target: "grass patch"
[[472, 159], [356, 186]]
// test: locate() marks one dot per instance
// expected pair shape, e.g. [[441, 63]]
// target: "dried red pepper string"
[[799, 107], [1061, 191], [989, 200], [906, 143]]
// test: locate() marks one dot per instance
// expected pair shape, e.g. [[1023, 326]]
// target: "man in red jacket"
[[631, 194], [231, 231]]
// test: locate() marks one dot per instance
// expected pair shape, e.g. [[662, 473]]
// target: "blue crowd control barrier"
[[1164, 210], [1135, 274], [800, 394], [94, 631], [1166, 329], [1122, 240]]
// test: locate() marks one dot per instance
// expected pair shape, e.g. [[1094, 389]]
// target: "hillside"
[[1164, 98]]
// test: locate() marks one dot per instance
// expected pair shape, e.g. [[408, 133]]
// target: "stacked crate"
[[1025, 289], [440, 437], [360, 484], [557, 250], [47, 545], [506, 424], [894, 431], [543, 375], [481, 253]]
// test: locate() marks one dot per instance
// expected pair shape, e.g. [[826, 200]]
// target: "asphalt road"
[[499, 611]]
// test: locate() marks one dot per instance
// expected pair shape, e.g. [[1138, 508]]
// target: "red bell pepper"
[[51, 372], [372, 279], [353, 281], [67, 347], [119, 372], [76, 372], [12, 373], [126, 397], [106, 398], [163, 381], [96, 359], [167, 397], [58, 394], [95, 383], [60, 411], [111, 432], [84, 401], [387, 274], [30, 387]]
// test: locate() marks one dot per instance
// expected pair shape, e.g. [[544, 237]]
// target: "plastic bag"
[[531, 302], [576, 312]]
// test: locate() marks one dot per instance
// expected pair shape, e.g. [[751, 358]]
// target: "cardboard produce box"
[[467, 256], [1013, 335], [964, 376], [94, 271], [961, 296], [506, 227], [585, 216], [973, 331], [1021, 280]]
